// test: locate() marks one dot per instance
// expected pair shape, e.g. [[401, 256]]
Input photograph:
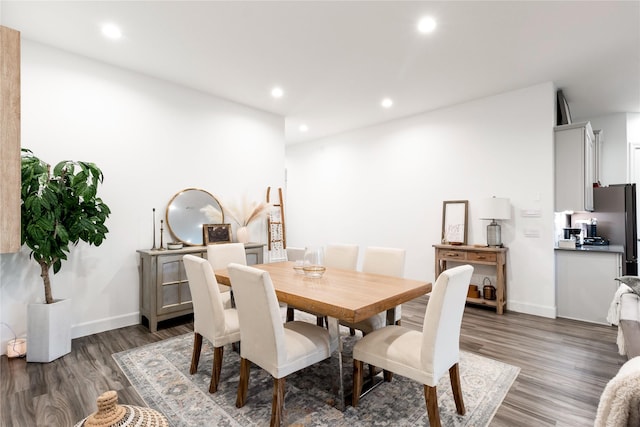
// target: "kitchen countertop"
[[608, 248]]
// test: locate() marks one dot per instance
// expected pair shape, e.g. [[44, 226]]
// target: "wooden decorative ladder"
[[277, 246]]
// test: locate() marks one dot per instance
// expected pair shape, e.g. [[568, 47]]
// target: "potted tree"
[[59, 209]]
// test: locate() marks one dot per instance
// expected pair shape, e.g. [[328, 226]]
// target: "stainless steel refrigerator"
[[615, 210]]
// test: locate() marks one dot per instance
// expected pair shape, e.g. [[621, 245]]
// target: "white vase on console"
[[242, 234]]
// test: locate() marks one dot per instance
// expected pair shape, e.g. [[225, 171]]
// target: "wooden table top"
[[347, 295]]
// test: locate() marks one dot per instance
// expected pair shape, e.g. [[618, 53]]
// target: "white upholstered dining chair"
[[278, 349], [342, 256], [222, 254], [386, 261], [422, 356], [295, 254], [211, 319]]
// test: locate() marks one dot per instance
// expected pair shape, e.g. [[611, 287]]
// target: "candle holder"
[[154, 230], [161, 248]]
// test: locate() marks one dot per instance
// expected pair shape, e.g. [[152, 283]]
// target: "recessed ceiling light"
[[277, 92], [111, 31], [426, 25], [386, 103], [303, 128]]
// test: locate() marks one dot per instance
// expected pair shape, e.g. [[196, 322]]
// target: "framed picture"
[[216, 233], [563, 115], [454, 222]]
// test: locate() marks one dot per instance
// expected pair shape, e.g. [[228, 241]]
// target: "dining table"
[[346, 295]]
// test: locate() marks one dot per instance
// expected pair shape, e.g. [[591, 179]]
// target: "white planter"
[[48, 331]]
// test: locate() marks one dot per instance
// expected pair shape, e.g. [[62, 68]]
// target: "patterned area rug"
[[160, 374]]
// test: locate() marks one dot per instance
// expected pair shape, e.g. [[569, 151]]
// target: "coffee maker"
[[573, 233]]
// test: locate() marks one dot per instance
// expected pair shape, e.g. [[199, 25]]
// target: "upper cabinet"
[[574, 167], [9, 140]]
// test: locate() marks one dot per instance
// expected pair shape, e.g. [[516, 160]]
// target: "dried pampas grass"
[[248, 212]]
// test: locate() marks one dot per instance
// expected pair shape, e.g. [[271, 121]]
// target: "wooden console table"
[[164, 289], [496, 257]]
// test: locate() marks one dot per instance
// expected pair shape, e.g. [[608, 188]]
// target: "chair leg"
[[454, 375], [431, 399], [320, 321], [218, 352], [352, 331], [357, 382], [243, 383], [388, 375], [289, 314], [278, 402], [195, 357]]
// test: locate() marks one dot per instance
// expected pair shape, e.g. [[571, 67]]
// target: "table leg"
[[391, 316], [336, 342]]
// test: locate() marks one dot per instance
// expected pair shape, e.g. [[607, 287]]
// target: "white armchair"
[[422, 356], [210, 319]]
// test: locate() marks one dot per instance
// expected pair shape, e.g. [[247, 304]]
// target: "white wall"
[[633, 127], [384, 186], [151, 139]]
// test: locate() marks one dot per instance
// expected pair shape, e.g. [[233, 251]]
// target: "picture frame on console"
[[216, 233], [454, 222]]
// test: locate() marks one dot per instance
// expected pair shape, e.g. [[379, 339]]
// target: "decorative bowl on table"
[[174, 245], [313, 271]]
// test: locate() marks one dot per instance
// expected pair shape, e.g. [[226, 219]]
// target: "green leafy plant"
[[59, 209]]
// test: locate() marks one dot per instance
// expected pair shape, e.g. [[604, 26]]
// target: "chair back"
[[342, 256], [208, 310], [261, 329], [442, 320], [387, 261], [223, 254], [295, 254]]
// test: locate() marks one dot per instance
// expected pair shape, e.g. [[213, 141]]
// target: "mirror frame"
[[454, 222], [178, 194]]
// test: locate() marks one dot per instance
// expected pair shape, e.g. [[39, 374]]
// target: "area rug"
[[160, 374]]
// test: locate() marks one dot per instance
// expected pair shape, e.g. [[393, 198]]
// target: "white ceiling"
[[337, 60]]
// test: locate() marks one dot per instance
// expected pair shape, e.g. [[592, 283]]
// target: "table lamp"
[[495, 208]]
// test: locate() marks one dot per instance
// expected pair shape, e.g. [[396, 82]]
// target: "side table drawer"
[[481, 256], [453, 255]]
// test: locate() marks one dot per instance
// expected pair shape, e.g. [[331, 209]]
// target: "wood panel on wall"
[[9, 140]]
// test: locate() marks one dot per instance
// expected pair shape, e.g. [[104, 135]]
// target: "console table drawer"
[[481, 256], [454, 255]]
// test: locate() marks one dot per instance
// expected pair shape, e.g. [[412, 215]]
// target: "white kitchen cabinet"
[[574, 167], [585, 282]]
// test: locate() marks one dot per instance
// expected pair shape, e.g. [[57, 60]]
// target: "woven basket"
[[110, 414]]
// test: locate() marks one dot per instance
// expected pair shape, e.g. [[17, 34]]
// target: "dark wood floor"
[[564, 368]]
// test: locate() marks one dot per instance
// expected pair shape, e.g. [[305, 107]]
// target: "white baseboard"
[[107, 324], [536, 310]]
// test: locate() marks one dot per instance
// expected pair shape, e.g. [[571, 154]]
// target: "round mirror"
[[188, 210]]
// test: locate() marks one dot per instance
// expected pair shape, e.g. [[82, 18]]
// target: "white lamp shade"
[[495, 208]]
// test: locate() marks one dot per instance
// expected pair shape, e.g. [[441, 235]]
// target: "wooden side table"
[[496, 257]]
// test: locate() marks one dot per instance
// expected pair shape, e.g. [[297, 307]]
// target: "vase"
[[314, 262], [242, 235], [48, 331]]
